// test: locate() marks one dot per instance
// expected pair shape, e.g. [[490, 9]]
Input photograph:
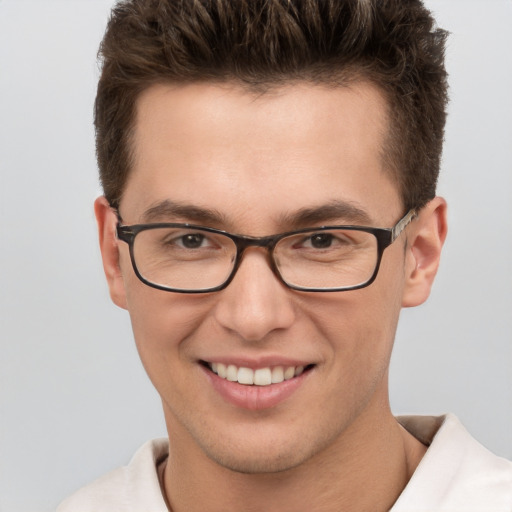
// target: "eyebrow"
[[167, 209], [336, 211]]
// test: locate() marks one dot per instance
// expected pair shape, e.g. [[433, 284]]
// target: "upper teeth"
[[259, 377]]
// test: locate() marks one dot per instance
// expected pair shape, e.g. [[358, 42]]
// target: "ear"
[[107, 221], [424, 243]]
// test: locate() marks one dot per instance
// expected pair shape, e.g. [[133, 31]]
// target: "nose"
[[255, 303]]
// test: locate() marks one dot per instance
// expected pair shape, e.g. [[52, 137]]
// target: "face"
[[252, 164]]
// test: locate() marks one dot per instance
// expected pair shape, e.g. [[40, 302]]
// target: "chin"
[[261, 463], [261, 452]]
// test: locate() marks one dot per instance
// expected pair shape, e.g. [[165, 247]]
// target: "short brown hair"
[[262, 43]]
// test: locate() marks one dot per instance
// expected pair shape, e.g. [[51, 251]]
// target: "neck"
[[366, 468]]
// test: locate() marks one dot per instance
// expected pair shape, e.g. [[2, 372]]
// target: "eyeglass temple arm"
[[402, 224]]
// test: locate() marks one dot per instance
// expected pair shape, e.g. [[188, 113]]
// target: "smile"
[[256, 377]]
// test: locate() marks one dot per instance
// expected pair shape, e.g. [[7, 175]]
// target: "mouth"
[[256, 377]]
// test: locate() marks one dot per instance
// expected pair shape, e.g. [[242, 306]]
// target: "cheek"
[[163, 326], [360, 326], [358, 318], [162, 323], [378, 310], [159, 319]]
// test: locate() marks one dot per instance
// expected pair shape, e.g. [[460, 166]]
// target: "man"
[[269, 170]]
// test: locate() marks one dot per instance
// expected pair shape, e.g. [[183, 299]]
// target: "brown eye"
[[321, 240], [192, 241]]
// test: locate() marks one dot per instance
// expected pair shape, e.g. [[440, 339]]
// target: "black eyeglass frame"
[[385, 237]]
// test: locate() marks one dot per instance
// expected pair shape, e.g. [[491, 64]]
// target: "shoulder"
[[127, 489], [457, 473]]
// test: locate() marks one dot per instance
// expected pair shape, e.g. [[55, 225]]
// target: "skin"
[[257, 160]]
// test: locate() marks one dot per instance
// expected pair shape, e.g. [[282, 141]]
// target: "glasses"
[[186, 258]]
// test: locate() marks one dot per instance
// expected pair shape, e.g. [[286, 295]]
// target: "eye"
[[191, 240], [325, 240], [183, 240], [321, 240]]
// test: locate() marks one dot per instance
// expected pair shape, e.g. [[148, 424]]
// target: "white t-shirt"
[[457, 474]]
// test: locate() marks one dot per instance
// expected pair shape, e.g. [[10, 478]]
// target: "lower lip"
[[255, 397]]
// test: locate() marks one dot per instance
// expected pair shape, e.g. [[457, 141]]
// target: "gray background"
[[74, 400]]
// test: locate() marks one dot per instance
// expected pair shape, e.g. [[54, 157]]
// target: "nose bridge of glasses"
[[267, 243], [244, 242]]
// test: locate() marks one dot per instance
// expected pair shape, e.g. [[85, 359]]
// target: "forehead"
[[222, 147]]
